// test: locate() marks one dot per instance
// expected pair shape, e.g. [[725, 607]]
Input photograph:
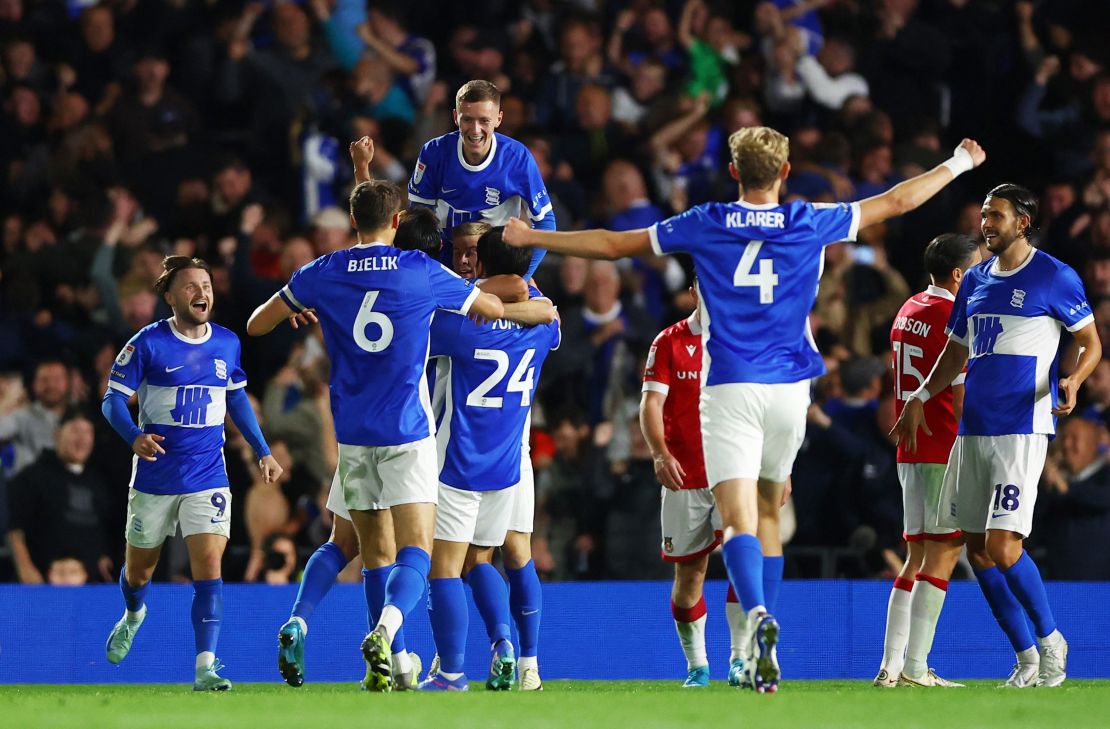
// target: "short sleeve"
[[1069, 304], [539, 201], [678, 234], [957, 321], [556, 334], [300, 293], [449, 291], [834, 222], [657, 371], [423, 186], [237, 378], [130, 366]]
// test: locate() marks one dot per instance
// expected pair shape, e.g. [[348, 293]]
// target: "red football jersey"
[[917, 339], [674, 369]]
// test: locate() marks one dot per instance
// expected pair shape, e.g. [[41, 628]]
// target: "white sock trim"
[[528, 662], [391, 620], [205, 659], [302, 623]]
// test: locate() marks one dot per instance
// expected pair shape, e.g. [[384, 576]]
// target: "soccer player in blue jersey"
[[375, 305], [488, 375], [476, 174], [186, 373], [758, 263], [1005, 326]]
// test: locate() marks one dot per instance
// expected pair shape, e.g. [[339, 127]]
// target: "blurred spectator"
[[280, 561], [828, 77], [151, 117], [57, 507], [30, 427], [580, 63], [67, 572], [1076, 506], [632, 102], [596, 138]]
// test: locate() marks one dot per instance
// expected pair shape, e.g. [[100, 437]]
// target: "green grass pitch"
[[577, 704]]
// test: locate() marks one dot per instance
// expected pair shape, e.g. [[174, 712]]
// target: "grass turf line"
[[573, 704]]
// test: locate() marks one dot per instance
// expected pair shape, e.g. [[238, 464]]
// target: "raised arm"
[[268, 315], [597, 243], [911, 194]]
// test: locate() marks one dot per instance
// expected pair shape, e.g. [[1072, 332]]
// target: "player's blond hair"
[[468, 229], [759, 154]]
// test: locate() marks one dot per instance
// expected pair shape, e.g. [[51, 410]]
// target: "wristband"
[[921, 394], [959, 163]]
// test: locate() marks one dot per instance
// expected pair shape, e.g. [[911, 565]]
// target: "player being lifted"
[[1005, 326], [917, 339], [375, 305], [758, 265], [478, 175], [488, 374], [690, 523], [186, 373]]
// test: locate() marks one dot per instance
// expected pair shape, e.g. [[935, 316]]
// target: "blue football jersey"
[[489, 372], [1011, 321], [492, 192], [182, 386], [375, 305], [758, 267]]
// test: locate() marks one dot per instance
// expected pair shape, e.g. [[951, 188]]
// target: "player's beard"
[[189, 316]]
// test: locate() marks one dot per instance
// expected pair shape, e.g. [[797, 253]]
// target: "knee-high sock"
[[404, 587], [689, 623], [1025, 582], [320, 574], [1006, 608], [492, 599], [449, 616], [737, 626], [373, 584], [133, 597], [744, 562], [772, 580], [925, 606], [207, 614], [526, 604], [897, 625]]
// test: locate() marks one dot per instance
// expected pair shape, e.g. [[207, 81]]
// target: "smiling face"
[[464, 257], [190, 296], [1000, 223], [477, 121]]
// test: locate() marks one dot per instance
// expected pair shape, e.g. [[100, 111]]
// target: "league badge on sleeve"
[[418, 173], [125, 355]]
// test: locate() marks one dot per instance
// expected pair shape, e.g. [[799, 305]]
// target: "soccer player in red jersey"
[[917, 338], [691, 525]]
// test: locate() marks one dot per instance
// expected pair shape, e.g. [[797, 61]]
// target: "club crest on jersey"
[[125, 355], [1018, 299], [221, 369], [668, 545], [691, 348], [418, 173], [493, 196]]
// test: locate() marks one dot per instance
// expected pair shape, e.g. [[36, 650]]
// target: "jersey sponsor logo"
[[987, 329], [192, 405], [221, 369], [691, 348], [493, 196], [1078, 308], [418, 173], [688, 375], [1018, 299], [755, 219], [117, 373], [372, 264], [913, 326], [125, 355]]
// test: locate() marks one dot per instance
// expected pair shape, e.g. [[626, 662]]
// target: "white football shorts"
[[377, 477], [691, 524], [151, 518], [523, 514], [751, 430], [921, 493], [474, 517], [335, 499], [991, 482]]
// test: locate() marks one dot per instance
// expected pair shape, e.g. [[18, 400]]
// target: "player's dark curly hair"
[[419, 231], [171, 265], [373, 204], [947, 252], [1023, 201], [498, 258]]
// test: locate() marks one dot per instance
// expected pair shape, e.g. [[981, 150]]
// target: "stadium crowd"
[[132, 130]]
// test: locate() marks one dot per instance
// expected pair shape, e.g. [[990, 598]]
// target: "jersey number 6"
[[366, 317]]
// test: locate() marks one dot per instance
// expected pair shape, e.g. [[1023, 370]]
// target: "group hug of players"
[[724, 406]]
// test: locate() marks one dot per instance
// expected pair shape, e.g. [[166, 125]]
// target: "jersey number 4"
[[766, 279], [521, 380], [366, 317]]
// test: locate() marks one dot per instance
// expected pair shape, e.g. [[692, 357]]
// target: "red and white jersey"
[[674, 369], [917, 339]]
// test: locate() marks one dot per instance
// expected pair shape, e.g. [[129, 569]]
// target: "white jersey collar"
[[940, 292], [996, 271], [695, 325], [484, 163], [189, 340]]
